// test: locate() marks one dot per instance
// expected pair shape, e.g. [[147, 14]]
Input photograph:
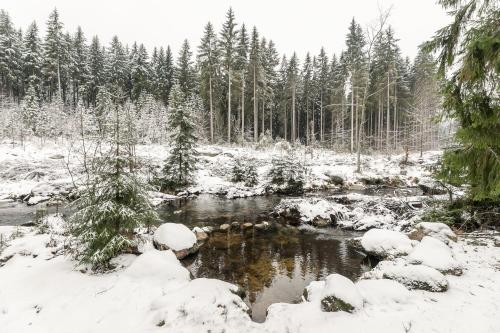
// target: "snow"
[[175, 236], [154, 264], [434, 253], [383, 292], [386, 243]]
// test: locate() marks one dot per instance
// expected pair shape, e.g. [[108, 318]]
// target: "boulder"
[[246, 226], [262, 226], [176, 237], [432, 189], [340, 294], [434, 229], [381, 243], [225, 227], [201, 236], [417, 277], [235, 225], [321, 222], [434, 253]]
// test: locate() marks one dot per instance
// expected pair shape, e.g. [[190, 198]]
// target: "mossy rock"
[[334, 304]]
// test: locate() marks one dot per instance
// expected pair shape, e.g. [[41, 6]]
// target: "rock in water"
[[175, 237], [225, 227]]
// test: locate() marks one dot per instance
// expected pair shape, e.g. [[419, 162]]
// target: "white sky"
[[294, 25]]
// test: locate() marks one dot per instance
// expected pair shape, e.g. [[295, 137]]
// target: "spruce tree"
[[208, 57], [140, 72], [32, 57], [113, 203], [54, 55], [184, 72], [469, 63], [31, 109], [228, 44], [181, 163], [96, 77]]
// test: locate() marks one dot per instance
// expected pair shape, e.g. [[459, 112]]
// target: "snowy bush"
[[244, 170], [287, 173]]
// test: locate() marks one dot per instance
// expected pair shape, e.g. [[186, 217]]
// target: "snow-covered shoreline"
[[43, 290], [37, 173]]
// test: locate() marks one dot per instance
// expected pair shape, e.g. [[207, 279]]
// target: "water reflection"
[[276, 267]]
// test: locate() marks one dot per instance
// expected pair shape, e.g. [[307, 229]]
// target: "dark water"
[[17, 213], [272, 266], [276, 266], [210, 210]]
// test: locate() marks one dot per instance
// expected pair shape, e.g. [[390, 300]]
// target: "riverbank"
[[35, 173], [42, 290]]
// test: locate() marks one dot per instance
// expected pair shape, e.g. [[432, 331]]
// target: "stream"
[[273, 266]]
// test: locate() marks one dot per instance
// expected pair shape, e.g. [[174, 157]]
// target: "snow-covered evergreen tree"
[[113, 203], [31, 109], [181, 163], [32, 56]]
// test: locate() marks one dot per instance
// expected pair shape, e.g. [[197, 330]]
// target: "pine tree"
[[96, 66], [140, 72], [228, 44], [8, 61], [242, 68], [116, 65], [113, 203], [254, 71], [184, 72], [79, 66], [32, 57], [181, 163], [31, 109], [208, 57], [469, 63], [54, 55]]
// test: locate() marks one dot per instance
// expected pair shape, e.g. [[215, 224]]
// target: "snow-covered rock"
[[36, 199], [176, 237], [434, 253], [417, 277], [434, 229], [382, 243], [383, 292], [340, 294], [309, 210]]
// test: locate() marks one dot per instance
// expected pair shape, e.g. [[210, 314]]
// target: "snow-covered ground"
[[42, 290], [36, 171]]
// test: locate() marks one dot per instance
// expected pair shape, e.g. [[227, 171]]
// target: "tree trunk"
[[229, 107], [255, 108], [211, 109]]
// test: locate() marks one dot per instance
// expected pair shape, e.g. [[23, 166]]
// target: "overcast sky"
[[294, 25]]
